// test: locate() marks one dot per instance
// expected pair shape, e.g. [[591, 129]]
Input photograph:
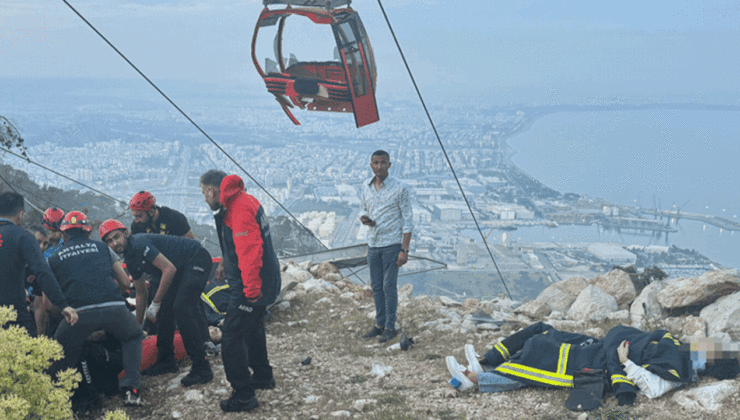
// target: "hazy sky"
[[523, 51]]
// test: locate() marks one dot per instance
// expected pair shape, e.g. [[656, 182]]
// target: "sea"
[[667, 159]]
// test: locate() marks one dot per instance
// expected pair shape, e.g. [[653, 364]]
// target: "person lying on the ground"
[[543, 356]]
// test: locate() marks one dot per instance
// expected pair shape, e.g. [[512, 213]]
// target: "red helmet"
[[76, 219], [108, 226], [53, 218], [142, 201]]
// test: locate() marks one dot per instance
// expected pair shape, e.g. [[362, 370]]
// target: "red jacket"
[[241, 218]]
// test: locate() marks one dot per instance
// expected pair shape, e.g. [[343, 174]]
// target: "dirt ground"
[[338, 382]]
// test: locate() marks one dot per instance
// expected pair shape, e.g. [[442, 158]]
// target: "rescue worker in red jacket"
[[253, 271]]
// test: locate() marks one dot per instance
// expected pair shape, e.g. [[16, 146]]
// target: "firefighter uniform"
[[543, 356]]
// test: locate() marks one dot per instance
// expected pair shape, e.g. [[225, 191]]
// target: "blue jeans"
[[384, 281]]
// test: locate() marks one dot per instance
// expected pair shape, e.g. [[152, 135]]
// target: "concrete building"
[[612, 254]]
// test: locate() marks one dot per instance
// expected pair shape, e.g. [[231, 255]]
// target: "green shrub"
[[26, 392], [116, 415]]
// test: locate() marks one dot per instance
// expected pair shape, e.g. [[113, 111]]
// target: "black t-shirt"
[[169, 222], [143, 248]]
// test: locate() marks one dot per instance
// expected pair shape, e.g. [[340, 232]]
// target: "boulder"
[[592, 304], [405, 292], [618, 284], [470, 305], [321, 269], [561, 295], [723, 317], [708, 398], [332, 277], [693, 326], [446, 301], [645, 310], [296, 273], [699, 291], [534, 309]]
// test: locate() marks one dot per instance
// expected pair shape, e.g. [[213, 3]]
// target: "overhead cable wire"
[[64, 176], [192, 122], [439, 140]]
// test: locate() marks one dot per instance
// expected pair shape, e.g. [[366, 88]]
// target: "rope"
[[439, 140], [191, 121]]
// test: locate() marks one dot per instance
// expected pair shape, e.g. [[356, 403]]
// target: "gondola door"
[[359, 67]]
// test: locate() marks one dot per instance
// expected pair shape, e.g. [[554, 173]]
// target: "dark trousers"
[[116, 320], [244, 346], [181, 303]]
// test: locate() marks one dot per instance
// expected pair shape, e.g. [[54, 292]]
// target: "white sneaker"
[[456, 370], [472, 356]]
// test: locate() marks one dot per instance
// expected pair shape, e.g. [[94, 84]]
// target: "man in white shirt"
[[386, 202]]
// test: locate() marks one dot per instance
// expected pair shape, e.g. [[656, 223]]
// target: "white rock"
[[592, 304], [618, 284], [340, 413], [311, 398], [702, 290], [405, 292], [396, 346], [380, 370], [487, 326], [449, 302], [723, 316], [645, 308], [176, 415], [282, 305], [705, 398], [360, 405], [193, 395]]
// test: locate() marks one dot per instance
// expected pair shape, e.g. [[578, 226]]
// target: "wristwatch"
[[405, 250]]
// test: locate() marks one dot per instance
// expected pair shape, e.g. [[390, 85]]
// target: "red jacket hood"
[[231, 187]]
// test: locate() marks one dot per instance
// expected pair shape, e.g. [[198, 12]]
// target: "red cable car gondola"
[[344, 85]]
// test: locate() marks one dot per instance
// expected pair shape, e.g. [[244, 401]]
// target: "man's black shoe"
[[162, 366], [387, 335], [236, 404], [264, 385], [373, 333], [198, 375]]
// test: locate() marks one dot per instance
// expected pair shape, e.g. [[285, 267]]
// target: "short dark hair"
[[213, 178], [11, 203], [381, 153]]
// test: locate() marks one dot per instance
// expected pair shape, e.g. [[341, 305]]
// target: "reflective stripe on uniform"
[[563, 360], [503, 350], [536, 375], [670, 337], [206, 297], [621, 379]]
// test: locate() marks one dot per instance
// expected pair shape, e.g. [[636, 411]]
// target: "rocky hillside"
[[324, 371]]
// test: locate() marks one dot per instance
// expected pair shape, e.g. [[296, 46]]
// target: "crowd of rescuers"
[[77, 294]]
